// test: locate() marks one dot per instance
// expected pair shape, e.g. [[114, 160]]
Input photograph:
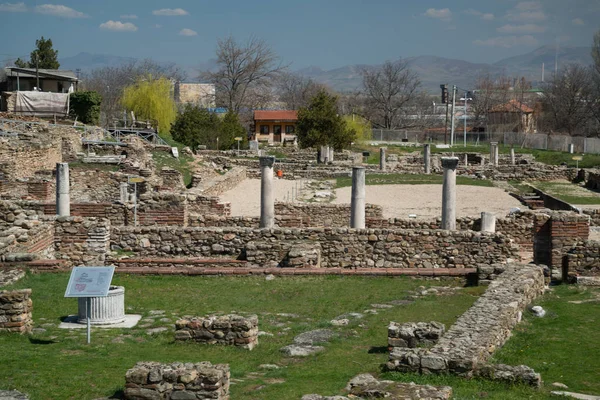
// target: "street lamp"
[[465, 99]]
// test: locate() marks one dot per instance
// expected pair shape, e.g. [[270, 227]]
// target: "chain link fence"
[[539, 141]]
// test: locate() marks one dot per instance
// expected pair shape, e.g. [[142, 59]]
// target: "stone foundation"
[[414, 334], [15, 311], [477, 333], [156, 381], [232, 330]]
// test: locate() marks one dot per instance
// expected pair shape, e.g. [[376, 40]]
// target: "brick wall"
[[15, 311], [81, 241]]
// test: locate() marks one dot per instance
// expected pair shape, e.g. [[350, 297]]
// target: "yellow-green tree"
[[150, 99], [361, 126]]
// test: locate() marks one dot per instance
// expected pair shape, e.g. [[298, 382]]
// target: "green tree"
[[150, 99], [196, 126], [86, 106], [230, 129], [361, 126], [44, 56], [319, 124]]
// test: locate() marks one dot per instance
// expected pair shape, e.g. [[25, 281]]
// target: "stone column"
[[382, 158], [357, 203], [427, 158], [492, 153], [496, 157], [267, 195], [449, 193], [571, 148], [123, 192], [63, 196], [512, 156], [466, 160], [330, 154], [488, 222]]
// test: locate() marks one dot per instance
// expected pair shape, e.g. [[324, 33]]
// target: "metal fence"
[[540, 141]]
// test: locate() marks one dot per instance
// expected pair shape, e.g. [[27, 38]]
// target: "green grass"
[[181, 164], [92, 167], [410, 179], [57, 364], [276, 153], [563, 346], [570, 192]]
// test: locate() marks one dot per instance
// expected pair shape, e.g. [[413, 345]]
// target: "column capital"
[[267, 161], [450, 162]]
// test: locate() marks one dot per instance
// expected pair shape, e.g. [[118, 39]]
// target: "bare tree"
[[388, 91], [245, 73], [295, 91], [110, 82], [594, 105], [566, 100]]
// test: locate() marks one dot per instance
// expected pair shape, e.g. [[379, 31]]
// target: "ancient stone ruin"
[[15, 311], [177, 381], [232, 330]]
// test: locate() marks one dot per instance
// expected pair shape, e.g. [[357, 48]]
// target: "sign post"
[[577, 159], [89, 282], [238, 139]]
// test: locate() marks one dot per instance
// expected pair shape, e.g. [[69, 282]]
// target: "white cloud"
[[118, 26], [527, 11], [188, 32], [158, 26], [578, 21], [170, 12], [13, 7], [58, 10], [129, 16], [508, 41], [443, 13], [484, 16], [526, 28]]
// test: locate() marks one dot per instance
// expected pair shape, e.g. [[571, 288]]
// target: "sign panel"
[[238, 138], [136, 180], [577, 158], [89, 281]]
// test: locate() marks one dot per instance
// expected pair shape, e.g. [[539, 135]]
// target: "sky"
[[324, 33]]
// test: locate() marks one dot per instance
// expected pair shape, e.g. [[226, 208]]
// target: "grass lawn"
[[572, 193], [410, 179], [57, 364], [181, 164]]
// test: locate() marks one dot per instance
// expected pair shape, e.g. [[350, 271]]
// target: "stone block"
[[234, 330]]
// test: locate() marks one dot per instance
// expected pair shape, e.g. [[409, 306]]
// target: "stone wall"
[[27, 154], [414, 334], [156, 381], [81, 241], [207, 205], [555, 233], [162, 209], [464, 349], [340, 247], [15, 311], [583, 259], [324, 215], [232, 330], [224, 182]]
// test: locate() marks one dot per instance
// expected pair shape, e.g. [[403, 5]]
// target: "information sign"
[[577, 158], [89, 282], [136, 180]]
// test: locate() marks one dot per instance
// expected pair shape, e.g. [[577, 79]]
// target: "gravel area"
[[425, 201]]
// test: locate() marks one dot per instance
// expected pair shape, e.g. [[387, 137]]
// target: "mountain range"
[[432, 70]]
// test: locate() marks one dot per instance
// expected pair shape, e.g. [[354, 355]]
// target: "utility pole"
[[453, 105], [37, 73]]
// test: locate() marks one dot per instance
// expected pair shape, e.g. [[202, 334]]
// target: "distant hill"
[[432, 70]]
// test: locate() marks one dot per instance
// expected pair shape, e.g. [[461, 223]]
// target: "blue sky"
[[326, 33]]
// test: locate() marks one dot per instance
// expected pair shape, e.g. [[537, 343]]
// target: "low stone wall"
[[414, 334], [340, 247], [325, 215], [155, 381], [15, 311], [477, 333], [81, 241], [225, 182], [583, 259], [208, 205], [232, 330]]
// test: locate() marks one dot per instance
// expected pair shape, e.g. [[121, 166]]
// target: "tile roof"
[[276, 115]]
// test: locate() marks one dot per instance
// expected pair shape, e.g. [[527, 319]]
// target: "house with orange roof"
[[275, 126], [514, 115]]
